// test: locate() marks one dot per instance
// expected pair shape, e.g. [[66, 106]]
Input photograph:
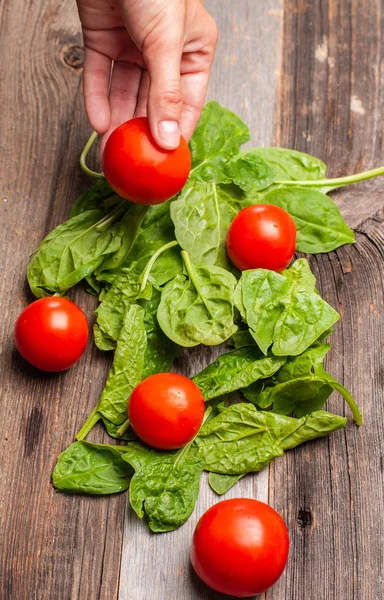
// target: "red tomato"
[[138, 169], [51, 333], [166, 410], [262, 236], [240, 547]]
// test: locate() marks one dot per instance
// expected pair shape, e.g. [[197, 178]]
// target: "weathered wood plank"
[[52, 546], [331, 493], [244, 78]]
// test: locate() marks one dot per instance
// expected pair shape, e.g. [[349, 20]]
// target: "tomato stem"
[[84, 155], [93, 418], [151, 262], [336, 182], [123, 428]]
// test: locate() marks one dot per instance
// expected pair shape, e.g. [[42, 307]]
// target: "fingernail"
[[169, 133]]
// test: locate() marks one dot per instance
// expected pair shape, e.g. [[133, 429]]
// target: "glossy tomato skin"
[[240, 547], [51, 333], [138, 169], [166, 410], [262, 236]]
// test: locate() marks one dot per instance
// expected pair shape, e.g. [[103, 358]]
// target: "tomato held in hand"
[[51, 333], [138, 169], [240, 547], [261, 236], [166, 410]]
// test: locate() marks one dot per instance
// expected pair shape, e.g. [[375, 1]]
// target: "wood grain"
[[315, 85], [52, 546], [331, 492]]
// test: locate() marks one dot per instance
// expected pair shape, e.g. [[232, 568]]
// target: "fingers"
[[142, 97], [194, 89], [165, 99], [123, 92], [97, 69]]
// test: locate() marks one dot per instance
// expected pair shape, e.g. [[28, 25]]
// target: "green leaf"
[[198, 308], [295, 388], [320, 226], [71, 252], [235, 370], [110, 312], [160, 351], [93, 199], [202, 215], [301, 275], [129, 228], [250, 172], [222, 483], [242, 439], [95, 469], [127, 368], [218, 136], [156, 231], [289, 164], [241, 338], [102, 340], [283, 312], [165, 485]]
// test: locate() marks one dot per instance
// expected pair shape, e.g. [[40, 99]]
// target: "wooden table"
[[306, 75]]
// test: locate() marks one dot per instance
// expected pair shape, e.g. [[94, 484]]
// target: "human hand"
[[162, 52]]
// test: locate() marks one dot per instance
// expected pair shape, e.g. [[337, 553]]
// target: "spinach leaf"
[[196, 216], [222, 483], [320, 226], [301, 275], [156, 231], [93, 199], [218, 136], [242, 439], [127, 368], [124, 375], [295, 388], [250, 172], [72, 251], [110, 312], [85, 468], [282, 312], [241, 338], [289, 164], [129, 228], [198, 307], [235, 370], [160, 351], [202, 215], [165, 486]]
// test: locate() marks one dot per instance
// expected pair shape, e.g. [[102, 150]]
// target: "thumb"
[[165, 100]]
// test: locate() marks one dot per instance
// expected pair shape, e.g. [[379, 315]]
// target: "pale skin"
[[147, 58]]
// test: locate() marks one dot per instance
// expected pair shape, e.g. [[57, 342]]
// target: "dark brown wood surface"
[[303, 74]]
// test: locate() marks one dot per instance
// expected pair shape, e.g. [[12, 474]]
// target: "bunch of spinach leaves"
[[164, 280]]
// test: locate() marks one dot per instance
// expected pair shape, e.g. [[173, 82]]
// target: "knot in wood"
[[73, 57], [304, 517]]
